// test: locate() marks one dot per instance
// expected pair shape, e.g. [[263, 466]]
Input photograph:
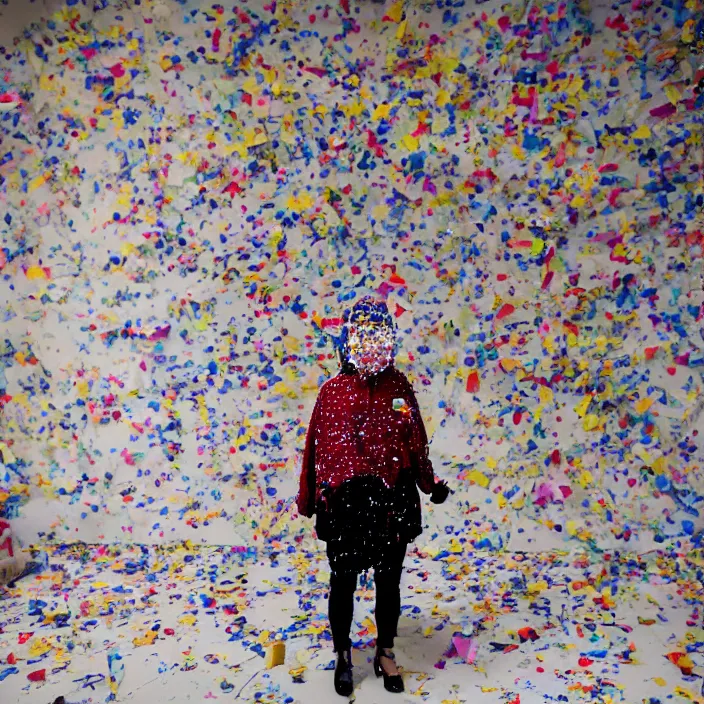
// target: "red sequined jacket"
[[363, 427]]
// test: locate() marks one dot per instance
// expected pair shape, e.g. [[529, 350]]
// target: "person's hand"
[[440, 493]]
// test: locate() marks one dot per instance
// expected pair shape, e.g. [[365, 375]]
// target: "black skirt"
[[363, 521]]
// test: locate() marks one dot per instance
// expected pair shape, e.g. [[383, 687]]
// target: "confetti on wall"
[[192, 193]]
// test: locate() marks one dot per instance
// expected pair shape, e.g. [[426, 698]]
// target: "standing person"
[[366, 456]]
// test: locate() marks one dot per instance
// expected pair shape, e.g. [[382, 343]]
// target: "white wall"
[[130, 439]]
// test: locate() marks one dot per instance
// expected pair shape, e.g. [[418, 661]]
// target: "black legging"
[[387, 578]]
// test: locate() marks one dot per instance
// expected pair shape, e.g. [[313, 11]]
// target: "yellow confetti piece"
[[35, 272], [643, 132], [582, 407], [254, 138], [518, 153], [585, 479], [643, 404], [673, 95], [509, 364], [591, 422], [688, 31], [443, 98], [300, 202], [7, 454], [127, 249], [537, 246], [147, 639], [401, 30], [38, 181], [381, 112], [688, 694], [410, 142], [476, 477], [395, 12], [685, 662], [46, 82], [251, 86], [39, 646], [545, 395]]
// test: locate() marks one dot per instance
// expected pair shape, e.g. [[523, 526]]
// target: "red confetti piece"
[[553, 68], [319, 72], [560, 156], [505, 310], [618, 23], [527, 633], [396, 279], [232, 188], [664, 110]]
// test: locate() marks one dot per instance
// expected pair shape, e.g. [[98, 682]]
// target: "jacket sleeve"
[[425, 476], [306, 491]]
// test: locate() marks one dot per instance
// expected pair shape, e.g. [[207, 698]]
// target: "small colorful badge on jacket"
[[399, 404]]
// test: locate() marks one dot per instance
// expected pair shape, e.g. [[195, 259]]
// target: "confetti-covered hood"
[[368, 342]]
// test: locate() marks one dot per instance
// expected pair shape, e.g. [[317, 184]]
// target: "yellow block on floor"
[[275, 654]]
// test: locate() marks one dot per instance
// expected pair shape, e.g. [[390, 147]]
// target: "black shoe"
[[344, 685], [392, 683]]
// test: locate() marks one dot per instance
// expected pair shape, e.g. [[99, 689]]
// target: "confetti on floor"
[[194, 623]]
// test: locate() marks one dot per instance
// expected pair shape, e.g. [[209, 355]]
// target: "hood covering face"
[[369, 337]]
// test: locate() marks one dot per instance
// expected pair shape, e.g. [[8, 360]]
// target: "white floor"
[[204, 650]]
